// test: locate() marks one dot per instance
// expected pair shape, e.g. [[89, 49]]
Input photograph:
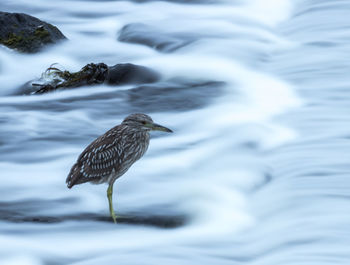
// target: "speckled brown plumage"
[[111, 155]]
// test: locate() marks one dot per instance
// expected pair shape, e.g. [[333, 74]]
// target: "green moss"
[[25, 42], [73, 79], [13, 40], [90, 74], [41, 33]]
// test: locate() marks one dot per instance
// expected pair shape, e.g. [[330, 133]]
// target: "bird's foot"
[[114, 217]]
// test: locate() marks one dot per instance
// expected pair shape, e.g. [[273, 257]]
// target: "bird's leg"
[[109, 195]]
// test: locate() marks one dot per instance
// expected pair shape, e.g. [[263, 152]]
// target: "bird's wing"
[[101, 158], [97, 162]]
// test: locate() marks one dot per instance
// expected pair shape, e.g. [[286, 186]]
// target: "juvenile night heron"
[[112, 154]]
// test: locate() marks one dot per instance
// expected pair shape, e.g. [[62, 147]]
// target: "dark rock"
[[44, 89], [179, 96], [154, 37], [121, 74], [91, 74], [26, 33], [33, 211]]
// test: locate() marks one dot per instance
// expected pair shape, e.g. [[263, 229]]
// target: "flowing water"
[[256, 171]]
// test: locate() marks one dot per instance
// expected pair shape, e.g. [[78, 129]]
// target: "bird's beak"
[[157, 127]]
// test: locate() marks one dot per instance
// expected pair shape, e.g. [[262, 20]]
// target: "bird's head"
[[144, 122]]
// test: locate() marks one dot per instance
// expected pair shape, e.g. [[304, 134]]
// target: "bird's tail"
[[73, 176]]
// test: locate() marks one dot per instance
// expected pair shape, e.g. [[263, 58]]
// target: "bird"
[[110, 155]]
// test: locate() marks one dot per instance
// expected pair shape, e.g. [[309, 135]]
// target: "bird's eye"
[[143, 122]]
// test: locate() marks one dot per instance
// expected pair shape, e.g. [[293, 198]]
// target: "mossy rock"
[[92, 74], [26, 33]]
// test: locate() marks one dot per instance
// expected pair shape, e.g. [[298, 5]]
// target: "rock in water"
[[26, 33], [154, 37], [127, 73], [91, 74]]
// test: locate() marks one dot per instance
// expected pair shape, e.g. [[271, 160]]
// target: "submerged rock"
[[153, 37], [35, 211], [91, 74], [121, 74], [26, 33], [179, 95]]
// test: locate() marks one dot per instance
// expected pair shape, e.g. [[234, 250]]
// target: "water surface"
[[256, 171]]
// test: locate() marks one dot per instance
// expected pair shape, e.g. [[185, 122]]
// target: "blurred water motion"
[[256, 172]]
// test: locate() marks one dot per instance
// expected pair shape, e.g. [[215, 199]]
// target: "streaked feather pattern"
[[109, 156]]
